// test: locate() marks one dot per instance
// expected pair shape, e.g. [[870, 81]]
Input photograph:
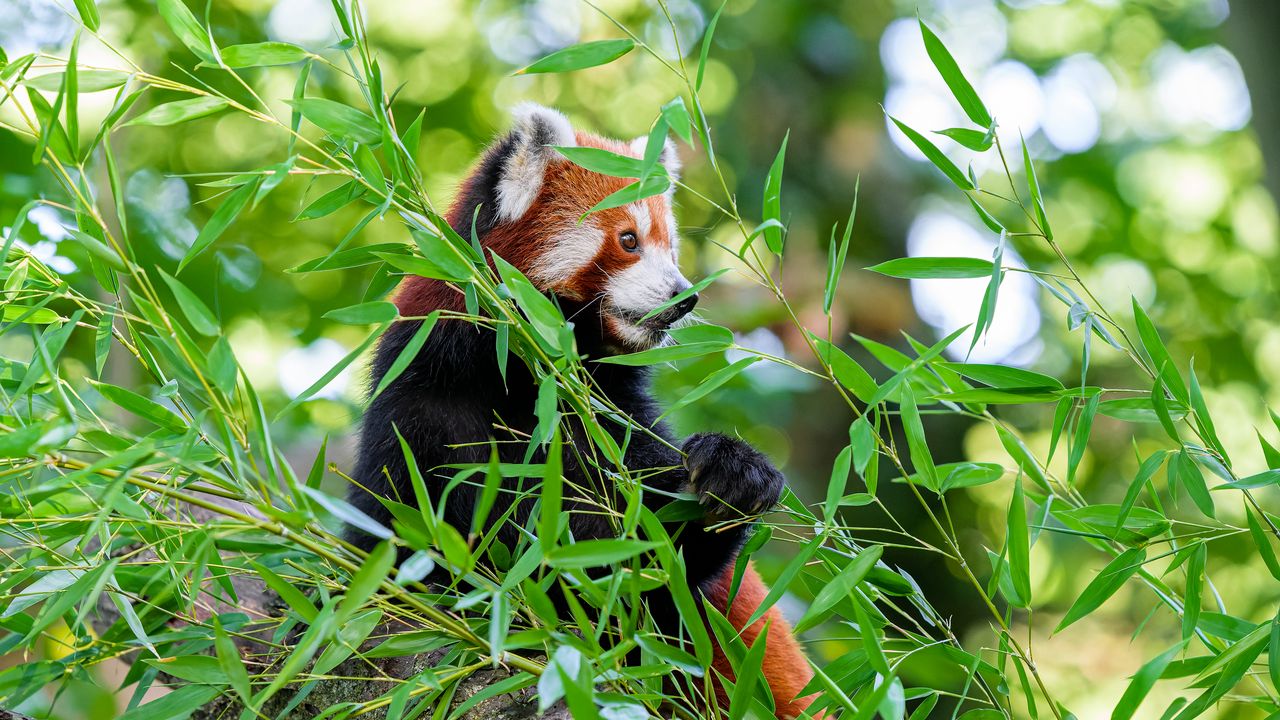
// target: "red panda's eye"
[[629, 241]]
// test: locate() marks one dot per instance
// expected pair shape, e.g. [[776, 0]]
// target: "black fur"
[[482, 190]]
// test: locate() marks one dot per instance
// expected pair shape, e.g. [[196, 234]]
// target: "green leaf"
[[1262, 479], [839, 588], [1023, 457], [1033, 183], [966, 474], [712, 383], [837, 254], [593, 553], [288, 592], [677, 117], [688, 292], [1262, 540], [977, 140], [407, 354], [1188, 474], [488, 494], [1143, 681], [846, 370], [88, 81], [670, 655], [1140, 525], [198, 314], [30, 315], [454, 259], [552, 492], [1019, 547], [935, 156], [986, 313], [175, 705], [1273, 652], [220, 220], [636, 191], [772, 213], [928, 268], [262, 54], [142, 407], [332, 373], [187, 28], [1203, 420], [579, 57], [783, 582], [918, 448], [748, 676], [180, 111], [88, 14], [378, 311], [1111, 579], [341, 121], [1160, 358], [667, 353], [1195, 585], [706, 44], [836, 485], [603, 161], [987, 218], [544, 315], [1000, 376], [950, 71], [200, 669], [366, 581], [231, 662]]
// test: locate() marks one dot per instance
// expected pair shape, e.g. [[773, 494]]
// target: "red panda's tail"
[[785, 666]]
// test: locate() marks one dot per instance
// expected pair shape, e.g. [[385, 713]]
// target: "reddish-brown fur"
[[785, 666], [569, 191]]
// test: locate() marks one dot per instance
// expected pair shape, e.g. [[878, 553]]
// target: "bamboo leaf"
[[180, 111], [1143, 681], [636, 191], [1108, 581], [935, 156], [220, 220], [187, 28], [198, 314], [341, 121], [594, 553], [378, 311], [840, 587], [1019, 547], [579, 57], [262, 54], [955, 79], [773, 233], [928, 268]]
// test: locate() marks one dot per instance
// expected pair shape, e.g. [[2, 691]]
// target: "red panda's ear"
[[526, 152], [669, 157]]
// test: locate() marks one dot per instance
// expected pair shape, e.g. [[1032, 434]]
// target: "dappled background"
[[1155, 123]]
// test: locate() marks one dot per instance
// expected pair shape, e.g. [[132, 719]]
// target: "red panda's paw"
[[730, 477]]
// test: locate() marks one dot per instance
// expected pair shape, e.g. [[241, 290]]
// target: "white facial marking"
[[522, 175], [640, 213], [572, 251], [631, 335], [645, 285]]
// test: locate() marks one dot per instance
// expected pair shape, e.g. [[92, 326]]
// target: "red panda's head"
[[615, 265]]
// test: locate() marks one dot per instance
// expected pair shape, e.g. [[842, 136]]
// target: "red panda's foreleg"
[[785, 666]]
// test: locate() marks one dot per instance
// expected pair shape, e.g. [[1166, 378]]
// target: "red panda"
[[607, 273]]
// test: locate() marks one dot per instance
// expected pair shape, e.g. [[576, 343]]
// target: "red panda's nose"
[[685, 306]]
